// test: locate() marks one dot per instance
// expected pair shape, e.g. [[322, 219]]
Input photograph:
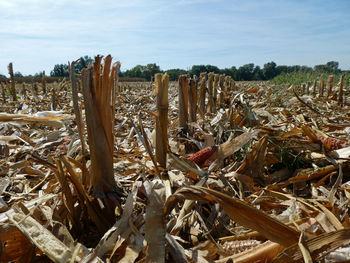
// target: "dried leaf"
[[240, 212]]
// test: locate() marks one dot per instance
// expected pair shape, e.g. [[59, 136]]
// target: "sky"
[[37, 34]]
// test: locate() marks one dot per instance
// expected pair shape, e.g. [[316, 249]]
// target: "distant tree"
[[60, 70], [305, 69], [18, 74], [232, 72], [329, 67], [333, 66], [295, 68], [83, 63], [270, 70], [151, 70], [135, 72], [197, 70], [245, 72], [320, 68], [174, 73], [211, 68], [3, 77], [141, 71], [121, 74], [39, 74], [283, 69], [257, 73]]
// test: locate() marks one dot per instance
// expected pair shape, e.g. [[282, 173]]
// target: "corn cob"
[[333, 143], [203, 155], [238, 246]]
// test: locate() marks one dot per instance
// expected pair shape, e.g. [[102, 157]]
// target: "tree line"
[[246, 72]]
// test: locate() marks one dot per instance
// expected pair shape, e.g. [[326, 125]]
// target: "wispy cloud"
[[37, 34]]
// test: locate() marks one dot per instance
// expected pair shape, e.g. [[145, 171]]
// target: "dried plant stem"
[[314, 88], [35, 89], [303, 102], [43, 82], [330, 85], [341, 85], [3, 93], [321, 89], [193, 99], [210, 92], [308, 88], [228, 82], [202, 91], [183, 101], [115, 86], [215, 90], [93, 209], [233, 84], [97, 91], [77, 112], [161, 84], [24, 91], [13, 84], [66, 191], [8, 87], [222, 89], [53, 99], [146, 143]]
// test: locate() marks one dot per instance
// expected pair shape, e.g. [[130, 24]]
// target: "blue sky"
[[37, 34]]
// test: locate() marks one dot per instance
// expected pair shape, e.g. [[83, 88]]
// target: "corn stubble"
[[161, 85], [98, 86], [12, 79], [96, 191]]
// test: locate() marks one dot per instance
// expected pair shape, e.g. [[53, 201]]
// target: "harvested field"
[[201, 170]]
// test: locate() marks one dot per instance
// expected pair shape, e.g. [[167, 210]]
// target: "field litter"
[[203, 170]]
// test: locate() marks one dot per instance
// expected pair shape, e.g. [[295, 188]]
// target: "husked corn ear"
[[201, 156], [333, 143]]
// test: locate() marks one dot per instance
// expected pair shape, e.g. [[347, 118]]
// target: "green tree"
[[197, 70], [135, 72], [284, 69], [295, 68], [3, 77], [257, 73], [175, 73], [18, 74], [270, 70], [141, 71], [245, 72], [211, 68], [151, 70], [329, 67], [305, 69], [121, 74], [60, 70], [232, 72], [39, 74], [333, 66], [83, 62]]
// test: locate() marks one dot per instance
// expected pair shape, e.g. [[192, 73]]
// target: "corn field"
[[205, 169]]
